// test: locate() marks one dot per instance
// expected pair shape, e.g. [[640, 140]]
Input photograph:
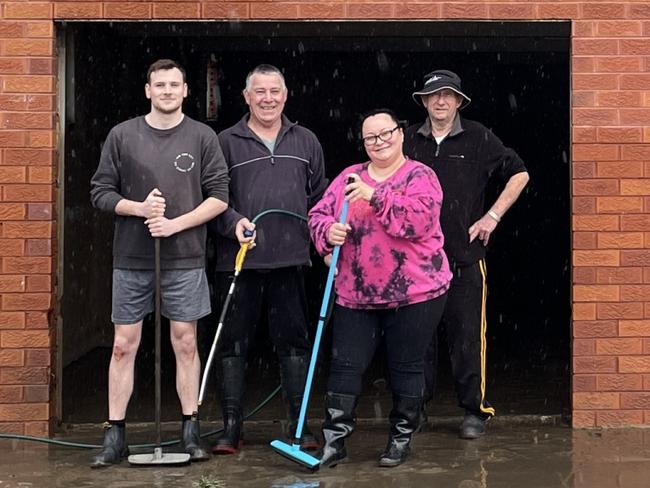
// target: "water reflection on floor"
[[513, 454]]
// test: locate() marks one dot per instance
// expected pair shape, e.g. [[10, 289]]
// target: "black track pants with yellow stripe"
[[466, 329]]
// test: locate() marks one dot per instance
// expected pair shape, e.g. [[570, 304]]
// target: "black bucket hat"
[[439, 80]]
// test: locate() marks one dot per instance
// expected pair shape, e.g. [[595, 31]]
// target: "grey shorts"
[[184, 295]]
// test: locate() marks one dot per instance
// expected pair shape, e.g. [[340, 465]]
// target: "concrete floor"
[[530, 452], [514, 387]]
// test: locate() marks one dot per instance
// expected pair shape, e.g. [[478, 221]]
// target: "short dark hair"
[[265, 69], [377, 111], [164, 64]]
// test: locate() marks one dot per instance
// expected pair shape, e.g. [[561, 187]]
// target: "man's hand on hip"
[[482, 229]]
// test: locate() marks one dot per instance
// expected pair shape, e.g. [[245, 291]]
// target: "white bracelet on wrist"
[[494, 215]]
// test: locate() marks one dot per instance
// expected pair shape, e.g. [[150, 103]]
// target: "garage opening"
[[518, 75]]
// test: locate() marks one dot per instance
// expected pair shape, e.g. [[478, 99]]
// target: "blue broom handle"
[[332, 271], [319, 330]]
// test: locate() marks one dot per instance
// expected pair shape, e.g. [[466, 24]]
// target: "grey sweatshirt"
[[185, 163]]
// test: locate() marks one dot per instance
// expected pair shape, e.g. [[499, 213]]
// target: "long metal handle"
[[157, 340], [239, 263]]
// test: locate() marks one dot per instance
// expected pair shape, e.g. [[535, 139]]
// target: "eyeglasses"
[[383, 136]]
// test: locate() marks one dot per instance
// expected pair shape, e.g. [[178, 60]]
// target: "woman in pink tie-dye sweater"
[[392, 280]]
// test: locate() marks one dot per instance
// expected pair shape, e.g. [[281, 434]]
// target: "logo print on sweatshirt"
[[184, 162]]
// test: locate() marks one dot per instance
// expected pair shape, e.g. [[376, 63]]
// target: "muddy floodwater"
[[513, 454]]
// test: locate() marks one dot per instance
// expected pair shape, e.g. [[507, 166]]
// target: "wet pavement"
[[518, 451]]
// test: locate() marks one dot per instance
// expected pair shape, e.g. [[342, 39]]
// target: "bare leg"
[[188, 364], [121, 369]]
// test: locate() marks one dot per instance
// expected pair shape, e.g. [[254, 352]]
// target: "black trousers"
[[283, 291], [357, 333], [465, 325]]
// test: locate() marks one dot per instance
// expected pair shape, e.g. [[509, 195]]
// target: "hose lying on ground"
[[259, 407]]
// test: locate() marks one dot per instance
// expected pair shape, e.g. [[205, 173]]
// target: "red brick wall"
[[611, 221], [611, 184], [27, 141]]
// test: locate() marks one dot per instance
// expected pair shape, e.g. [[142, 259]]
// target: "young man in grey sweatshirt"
[[163, 175]]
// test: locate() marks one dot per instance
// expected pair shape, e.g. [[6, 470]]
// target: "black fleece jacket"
[[291, 178], [465, 161]]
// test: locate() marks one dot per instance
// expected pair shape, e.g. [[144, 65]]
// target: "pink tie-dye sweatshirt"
[[393, 255]]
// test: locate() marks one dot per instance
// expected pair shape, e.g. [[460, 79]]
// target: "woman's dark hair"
[[378, 111]]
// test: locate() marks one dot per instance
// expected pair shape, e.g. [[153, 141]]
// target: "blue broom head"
[[293, 452]]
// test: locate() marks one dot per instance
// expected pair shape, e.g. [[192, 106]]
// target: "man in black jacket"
[[466, 156], [163, 175], [273, 163]]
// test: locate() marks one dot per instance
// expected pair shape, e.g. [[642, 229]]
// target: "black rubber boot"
[[339, 423], [308, 441], [473, 426], [232, 393], [191, 439], [293, 372], [114, 448], [404, 420]]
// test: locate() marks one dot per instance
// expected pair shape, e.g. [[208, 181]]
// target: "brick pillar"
[[27, 142], [611, 188]]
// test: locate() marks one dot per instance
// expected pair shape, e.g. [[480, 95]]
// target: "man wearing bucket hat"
[[467, 157]]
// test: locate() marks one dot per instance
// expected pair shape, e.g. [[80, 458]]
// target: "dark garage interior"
[[518, 75]]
